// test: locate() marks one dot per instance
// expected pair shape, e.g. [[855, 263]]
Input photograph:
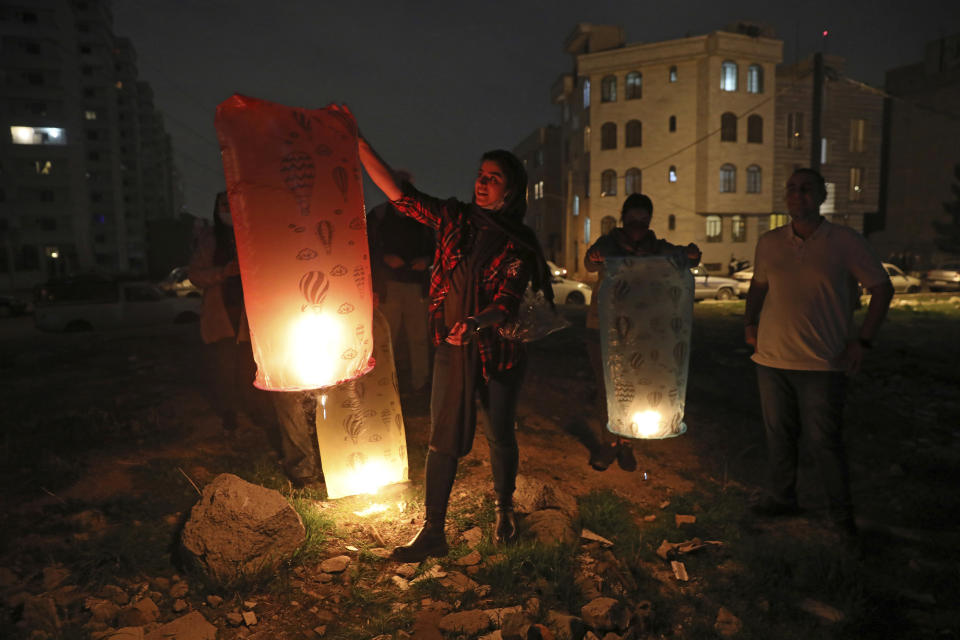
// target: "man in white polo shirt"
[[799, 319]]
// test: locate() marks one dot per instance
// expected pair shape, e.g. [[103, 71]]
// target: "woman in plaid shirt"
[[485, 257]]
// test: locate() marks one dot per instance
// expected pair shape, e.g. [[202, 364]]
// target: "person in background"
[[401, 252], [485, 259], [223, 324], [633, 238], [799, 320]]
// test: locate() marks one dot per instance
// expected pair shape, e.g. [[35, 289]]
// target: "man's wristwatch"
[[866, 344]]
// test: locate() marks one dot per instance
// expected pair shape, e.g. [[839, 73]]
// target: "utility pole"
[[817, 111]]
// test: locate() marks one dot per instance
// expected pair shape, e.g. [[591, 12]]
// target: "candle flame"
[[372, 509], [646, 423], [315, 344]]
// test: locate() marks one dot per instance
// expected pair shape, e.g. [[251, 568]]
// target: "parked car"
[[946, 277], [178, 282], [743, 278], [556, 270], [711, 286], [89, 304], [11, 306], [902, 283], [567, 291]]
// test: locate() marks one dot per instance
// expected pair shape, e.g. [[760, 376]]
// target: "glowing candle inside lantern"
[[313, 348], [646, 424]]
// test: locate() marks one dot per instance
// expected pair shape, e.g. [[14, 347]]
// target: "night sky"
[[434, 84]]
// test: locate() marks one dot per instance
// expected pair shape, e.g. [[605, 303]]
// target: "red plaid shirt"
[[502, 284]]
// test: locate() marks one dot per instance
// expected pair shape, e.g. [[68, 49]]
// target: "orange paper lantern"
[[296, 199]]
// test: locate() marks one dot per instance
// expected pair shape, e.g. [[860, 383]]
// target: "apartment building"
[[540, 153], [689, 122], [847, 151], [85, 161]]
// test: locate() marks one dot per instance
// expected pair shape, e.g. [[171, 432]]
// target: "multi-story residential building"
[[540, 152], [923, 123], [850, 139], [689, 122], [84, 158]]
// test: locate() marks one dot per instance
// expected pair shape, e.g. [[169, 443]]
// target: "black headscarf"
[[509, 219]]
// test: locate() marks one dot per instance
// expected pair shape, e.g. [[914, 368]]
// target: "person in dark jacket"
[[484, 259]]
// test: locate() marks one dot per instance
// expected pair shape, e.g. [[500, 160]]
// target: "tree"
[[948, 232]]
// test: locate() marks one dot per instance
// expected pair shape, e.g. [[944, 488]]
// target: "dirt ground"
[[107, 418]]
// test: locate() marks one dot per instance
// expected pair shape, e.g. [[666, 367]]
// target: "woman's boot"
[[431, 541]]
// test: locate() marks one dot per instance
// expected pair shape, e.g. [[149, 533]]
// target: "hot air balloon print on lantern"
[[646, 388], [360, 429], [306, 281]]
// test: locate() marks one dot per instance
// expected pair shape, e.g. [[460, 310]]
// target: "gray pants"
[[296, 414]]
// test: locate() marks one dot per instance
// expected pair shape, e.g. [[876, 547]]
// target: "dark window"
[[673, 123], [608, 89], [754, 176], [672, 222], [608, 183], [46, 195], [634, 85], [728, 179], [755, 129], [632, 181], [28, 259], [608, 136], [728, 127], [634, 133], [794, 130], [738, 229]]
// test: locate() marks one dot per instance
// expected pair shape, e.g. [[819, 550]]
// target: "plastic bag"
[[536, 319]]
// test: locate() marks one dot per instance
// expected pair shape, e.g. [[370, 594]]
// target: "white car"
[[567, 291], [556, 270], [902, 283], [743, 278], [109, 305], [711, 286]]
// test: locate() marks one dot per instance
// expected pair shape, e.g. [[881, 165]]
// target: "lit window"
[[608, 136], [119, 84], [738, 229], [90, 115], [755, 129], [586, 229], [753, 179], [728, 76], [632, 181], [634, 85], [728, 127], [43, 167], [777, 220], [857, 129], [608, 183], [634, 136], [673, 123], [830, 204], [856, 184], [608, 89], [714, 229], [38, 135], [672, 174], [586, 93], [794, 130], [755, 79], [673, 73], [823, 151], [728, 178], [576, 205]]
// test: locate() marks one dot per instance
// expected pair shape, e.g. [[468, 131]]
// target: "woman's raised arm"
[[378, 170]]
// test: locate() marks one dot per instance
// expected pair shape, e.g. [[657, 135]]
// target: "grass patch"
[[528, 569]]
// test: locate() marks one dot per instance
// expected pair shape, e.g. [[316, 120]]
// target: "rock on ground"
[[240, 529]]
